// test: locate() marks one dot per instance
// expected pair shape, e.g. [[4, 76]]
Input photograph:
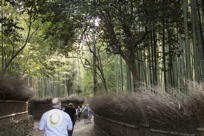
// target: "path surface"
[[82, 128]]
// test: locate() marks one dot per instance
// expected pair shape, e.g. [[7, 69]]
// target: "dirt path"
[[36, 132], [81, 128]]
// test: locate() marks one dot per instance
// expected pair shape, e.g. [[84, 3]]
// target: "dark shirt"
[[72, 113]]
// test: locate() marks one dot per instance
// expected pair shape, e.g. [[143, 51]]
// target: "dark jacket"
[[72, 113]]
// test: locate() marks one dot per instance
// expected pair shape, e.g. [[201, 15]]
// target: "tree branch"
[[25, 43]]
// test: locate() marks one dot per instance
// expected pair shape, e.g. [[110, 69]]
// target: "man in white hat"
[[55, 122]]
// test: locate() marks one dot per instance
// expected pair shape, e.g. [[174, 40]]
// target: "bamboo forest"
[[136, 65]]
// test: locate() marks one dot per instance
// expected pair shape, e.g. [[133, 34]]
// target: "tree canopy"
[[116, 43]]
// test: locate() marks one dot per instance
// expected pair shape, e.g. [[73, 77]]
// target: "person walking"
[[55, 122], [85, 111], [78, 112], [70, 109], [90, 115]]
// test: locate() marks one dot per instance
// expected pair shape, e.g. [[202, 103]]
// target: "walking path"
[[81, 128]]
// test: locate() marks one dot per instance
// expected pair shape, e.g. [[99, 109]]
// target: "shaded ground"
[[35, 131], [82, 128]]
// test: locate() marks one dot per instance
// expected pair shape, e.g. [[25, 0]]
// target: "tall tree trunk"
[[187, 45], [129, 79], [170, 58], [151, 58], [2, 37], [164, 53], [100, 69], [200, 32], [202, 6], [155, 58], [94, 71], [131, 63], [195, 39], [196, 24], [121, 72]]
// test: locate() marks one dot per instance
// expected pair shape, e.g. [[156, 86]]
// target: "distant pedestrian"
[[78, 112], [55, 122], [90, 114], [85, 111], [70, 109]]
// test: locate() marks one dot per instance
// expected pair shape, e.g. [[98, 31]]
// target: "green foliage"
[[44, 38]]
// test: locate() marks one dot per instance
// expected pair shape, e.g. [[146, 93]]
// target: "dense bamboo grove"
[[64, 47], [174, 51]]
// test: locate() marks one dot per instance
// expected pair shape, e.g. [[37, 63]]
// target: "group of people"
[[60, 121], [87, 113]]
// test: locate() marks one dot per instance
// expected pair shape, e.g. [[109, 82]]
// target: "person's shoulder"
[[49, 111], [64, 113], [45, 114], [52, 110]]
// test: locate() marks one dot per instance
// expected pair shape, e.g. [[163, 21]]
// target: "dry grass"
[[161, 110], [41, 100], [14, 89], [77, 100], [195, 101]]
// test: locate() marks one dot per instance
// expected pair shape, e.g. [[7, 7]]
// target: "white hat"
[[54, 118]]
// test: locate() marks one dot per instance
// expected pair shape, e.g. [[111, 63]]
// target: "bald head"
[[56, 103]]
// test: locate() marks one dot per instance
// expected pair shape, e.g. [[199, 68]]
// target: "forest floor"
[[81, 128]]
